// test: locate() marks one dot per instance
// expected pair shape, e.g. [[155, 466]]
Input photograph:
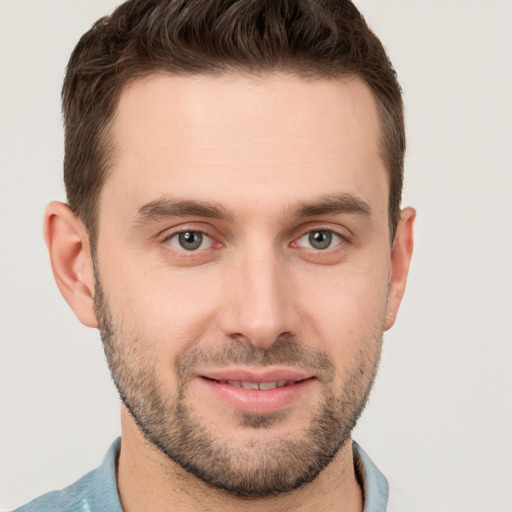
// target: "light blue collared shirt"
[[374, 483], [97, 490]]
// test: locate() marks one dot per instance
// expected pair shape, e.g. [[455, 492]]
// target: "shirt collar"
[[106, 496], [374, 483]]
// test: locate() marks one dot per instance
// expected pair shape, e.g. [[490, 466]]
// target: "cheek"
[[169, 310], [348, 309]]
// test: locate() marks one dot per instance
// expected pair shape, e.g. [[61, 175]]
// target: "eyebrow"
[[170, 207], [332, 204]]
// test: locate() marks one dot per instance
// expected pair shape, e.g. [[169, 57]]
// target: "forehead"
[[268, 137]]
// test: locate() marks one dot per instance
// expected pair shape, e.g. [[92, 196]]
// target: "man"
[[233, 228]]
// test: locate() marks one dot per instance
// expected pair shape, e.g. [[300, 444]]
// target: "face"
[[243, 266]]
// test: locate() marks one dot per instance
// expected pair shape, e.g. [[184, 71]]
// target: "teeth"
[[258, 385], [268, 385], [249, 385]]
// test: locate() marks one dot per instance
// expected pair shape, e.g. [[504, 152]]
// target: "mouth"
[[258, 392], [262, 386]]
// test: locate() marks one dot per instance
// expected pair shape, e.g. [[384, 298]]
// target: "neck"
[[148, 480]]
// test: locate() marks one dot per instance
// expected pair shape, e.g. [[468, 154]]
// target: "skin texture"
[[255, 164]]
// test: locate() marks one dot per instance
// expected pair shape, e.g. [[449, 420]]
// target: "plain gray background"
[[439, 420]]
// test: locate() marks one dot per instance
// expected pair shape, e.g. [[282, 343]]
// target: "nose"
[[259, 305]]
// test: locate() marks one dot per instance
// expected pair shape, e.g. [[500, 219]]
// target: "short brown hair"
[[309, 38]]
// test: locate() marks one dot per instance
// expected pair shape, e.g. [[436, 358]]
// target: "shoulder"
[[74, 498], [94, 492]]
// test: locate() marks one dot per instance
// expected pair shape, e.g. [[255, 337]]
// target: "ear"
[[401, 254], [68, 244]]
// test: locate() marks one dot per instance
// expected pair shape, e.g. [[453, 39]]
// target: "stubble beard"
[[264, 466]]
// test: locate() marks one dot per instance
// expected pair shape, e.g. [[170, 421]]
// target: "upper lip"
[[256, 374]]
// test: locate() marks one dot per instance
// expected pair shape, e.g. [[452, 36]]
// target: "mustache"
[[285, 350]]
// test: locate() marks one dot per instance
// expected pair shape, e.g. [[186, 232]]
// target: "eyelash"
[[334, 239], [177, 234], [333, 236]]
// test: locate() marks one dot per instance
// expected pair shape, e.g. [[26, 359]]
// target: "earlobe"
[[401, 255], [68, 244]]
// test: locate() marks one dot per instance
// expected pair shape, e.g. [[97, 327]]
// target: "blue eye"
[[320, 239], [190, 240]]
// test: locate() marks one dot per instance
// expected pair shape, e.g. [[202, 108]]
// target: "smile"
[[258, 392], [258, 385]]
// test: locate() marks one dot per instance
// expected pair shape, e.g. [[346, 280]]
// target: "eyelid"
[[202, 228], [209, 243], [334, 235], [343, 233], [183, 227]]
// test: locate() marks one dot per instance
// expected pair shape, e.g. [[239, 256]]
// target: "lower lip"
[[257, 401]]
